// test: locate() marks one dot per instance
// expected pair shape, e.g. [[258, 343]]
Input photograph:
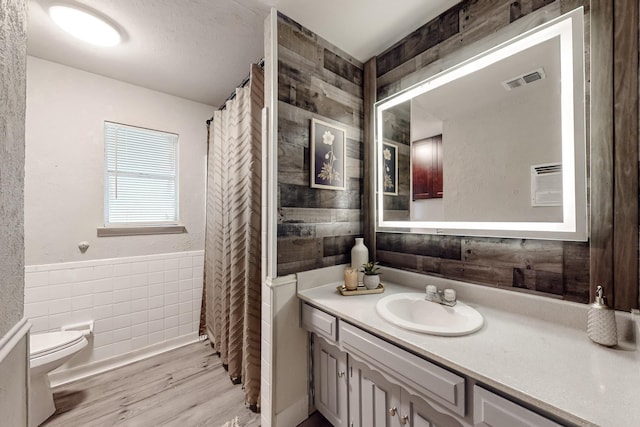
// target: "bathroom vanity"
[[531, 364]]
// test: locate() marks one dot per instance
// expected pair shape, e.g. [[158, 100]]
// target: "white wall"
[[13, 50], [14, 358], [487, 155], [66, 110], [142, 292], [14, 374]]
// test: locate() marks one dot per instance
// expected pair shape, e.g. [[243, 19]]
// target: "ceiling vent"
[[524, 79]]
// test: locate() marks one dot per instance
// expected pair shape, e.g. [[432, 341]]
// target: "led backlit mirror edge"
[[570, 28]]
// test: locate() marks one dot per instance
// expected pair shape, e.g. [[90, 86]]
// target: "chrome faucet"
[[446, 297]]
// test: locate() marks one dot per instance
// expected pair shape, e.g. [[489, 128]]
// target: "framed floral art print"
[[328, 155], [390, 160]]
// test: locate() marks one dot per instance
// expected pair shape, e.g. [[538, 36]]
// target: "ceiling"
[[201, 49]]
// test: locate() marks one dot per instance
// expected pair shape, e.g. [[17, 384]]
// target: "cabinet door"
[[416, 412], [426, 166], [330, 382], [373, 401], [491, 410]]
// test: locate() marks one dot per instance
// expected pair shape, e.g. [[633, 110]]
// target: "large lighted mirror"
[[494, 146]]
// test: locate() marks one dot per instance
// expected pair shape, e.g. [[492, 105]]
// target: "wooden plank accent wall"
[[397, 130], [553, 268], [316, 227], [601, 194], [625, 113], [369, 203]]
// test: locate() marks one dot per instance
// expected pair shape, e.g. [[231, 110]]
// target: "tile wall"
[[135, 302]]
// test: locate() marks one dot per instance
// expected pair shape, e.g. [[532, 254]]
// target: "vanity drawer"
[[491, 410], [415, 373], [323, 324]]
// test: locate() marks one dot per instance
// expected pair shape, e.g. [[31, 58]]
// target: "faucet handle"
[[449, 295], [432, 293]]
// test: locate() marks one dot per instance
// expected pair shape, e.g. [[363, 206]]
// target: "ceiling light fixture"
[[85, 25]]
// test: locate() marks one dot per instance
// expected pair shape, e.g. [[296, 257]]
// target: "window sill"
[[141, 230]]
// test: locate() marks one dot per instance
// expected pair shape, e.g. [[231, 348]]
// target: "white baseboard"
[[98, 367], [294, 414]]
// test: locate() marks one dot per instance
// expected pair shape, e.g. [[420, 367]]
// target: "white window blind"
[[141, 176]]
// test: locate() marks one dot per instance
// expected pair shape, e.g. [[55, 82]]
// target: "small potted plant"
[[371, 277]]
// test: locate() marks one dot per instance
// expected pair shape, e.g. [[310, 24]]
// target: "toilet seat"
[[44, 344]]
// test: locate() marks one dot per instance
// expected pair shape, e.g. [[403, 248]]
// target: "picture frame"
[[390, 168], [328, 156]]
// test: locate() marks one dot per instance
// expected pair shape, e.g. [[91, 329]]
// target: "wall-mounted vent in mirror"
[[524, 79], [546, 185], [473, 159]]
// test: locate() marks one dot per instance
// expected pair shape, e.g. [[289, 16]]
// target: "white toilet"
[[48, 351]]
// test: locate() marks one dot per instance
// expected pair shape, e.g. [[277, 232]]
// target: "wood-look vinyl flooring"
[[315, 420], [184, 387]]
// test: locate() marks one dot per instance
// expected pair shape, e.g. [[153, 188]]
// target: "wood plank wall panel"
[[625, 95], [478, 20], [614, 247], [316, 227], [369, 204], [575, 269], [601, 195], [397, 130], [554, 268], [422, 39]]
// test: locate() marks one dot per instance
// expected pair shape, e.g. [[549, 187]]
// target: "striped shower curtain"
[[232, 243]]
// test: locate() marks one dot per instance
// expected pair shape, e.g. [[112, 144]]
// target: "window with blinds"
[[141, 176]]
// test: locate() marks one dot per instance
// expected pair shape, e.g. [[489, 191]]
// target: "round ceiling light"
[[85, 26]]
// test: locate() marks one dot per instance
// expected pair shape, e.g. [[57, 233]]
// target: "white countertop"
[[551, 365]]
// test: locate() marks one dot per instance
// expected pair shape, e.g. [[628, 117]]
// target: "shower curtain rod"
[[241, 85]]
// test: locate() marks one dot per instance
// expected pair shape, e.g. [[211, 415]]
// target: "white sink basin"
[[411, 311]]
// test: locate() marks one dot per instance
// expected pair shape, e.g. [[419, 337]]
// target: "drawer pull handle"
[[404, 419], [393, 411]]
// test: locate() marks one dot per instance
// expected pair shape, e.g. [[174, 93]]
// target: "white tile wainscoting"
[[141, 306]]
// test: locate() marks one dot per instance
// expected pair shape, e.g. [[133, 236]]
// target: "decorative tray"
[[361, 290]]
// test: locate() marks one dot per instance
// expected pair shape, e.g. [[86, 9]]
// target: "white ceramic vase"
[[359, 256], [371, 281]]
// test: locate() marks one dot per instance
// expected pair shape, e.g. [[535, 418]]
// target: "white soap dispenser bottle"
[[601, 322]]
